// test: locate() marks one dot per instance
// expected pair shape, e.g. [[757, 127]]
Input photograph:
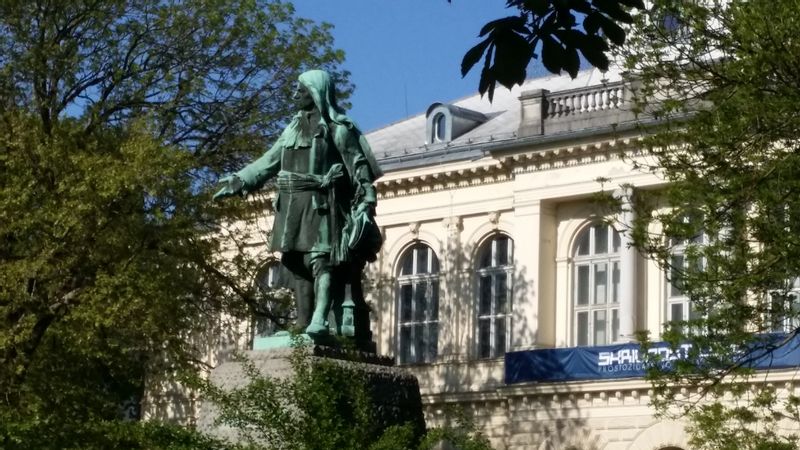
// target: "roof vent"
[[447, 122]]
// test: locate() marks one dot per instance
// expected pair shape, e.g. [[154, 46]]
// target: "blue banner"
[[626, 361]]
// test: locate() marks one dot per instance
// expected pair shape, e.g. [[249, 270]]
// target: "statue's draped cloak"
[[323, 170]]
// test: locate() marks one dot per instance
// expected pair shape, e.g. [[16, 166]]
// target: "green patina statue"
[[324, 224]]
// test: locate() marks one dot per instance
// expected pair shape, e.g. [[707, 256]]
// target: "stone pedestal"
[[395, 393]]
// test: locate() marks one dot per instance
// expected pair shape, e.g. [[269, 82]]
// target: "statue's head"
[[320, 86]]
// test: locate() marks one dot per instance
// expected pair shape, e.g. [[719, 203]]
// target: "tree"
[[558, 29], [723, 78], [114, 117]]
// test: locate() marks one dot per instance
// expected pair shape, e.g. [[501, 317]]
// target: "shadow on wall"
[[459, 383]]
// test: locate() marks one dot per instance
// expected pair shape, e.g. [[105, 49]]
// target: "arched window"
[[275, 309], [418, 305], [495, 267], [595, 291]]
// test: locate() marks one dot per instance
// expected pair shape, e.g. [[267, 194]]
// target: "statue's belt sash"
[[291, 182]]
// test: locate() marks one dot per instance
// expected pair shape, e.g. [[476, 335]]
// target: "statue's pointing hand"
[[231, 185]]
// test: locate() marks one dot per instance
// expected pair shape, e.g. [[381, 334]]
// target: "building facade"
[[504, 285]]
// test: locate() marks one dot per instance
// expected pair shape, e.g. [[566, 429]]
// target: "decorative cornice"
[[504, 167]]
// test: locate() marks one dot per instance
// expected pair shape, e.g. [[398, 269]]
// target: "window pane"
[[268, 278], [617, 242], [583, 242], [406, 300], [676, 312], [405, 345], [422, 260], [501, 293], [600, 333], [419, 342], [502, 251], [600, 239], [433, 311], [792, 311], [676, 285], [600, 283], [778, 311], [499, 336], [485, 296], [420, 300], [582, 294], [614, 325], [433, 342], [408, 263], [440, 124], [615, 282], [582, 328], [434, 263], [486, 256], [484, 338]]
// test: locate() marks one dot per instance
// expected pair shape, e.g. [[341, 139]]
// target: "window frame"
[[784, 314], [671, 297], [428, 320], [493, 271], [585, 334]]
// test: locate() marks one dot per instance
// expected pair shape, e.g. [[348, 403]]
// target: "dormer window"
[[448, 122]]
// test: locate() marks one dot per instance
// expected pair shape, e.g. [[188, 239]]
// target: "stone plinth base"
[[284, 339], [395, 393]]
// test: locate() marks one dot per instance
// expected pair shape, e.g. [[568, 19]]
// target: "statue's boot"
[[322, 290]]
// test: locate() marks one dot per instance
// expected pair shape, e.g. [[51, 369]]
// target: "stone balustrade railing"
[[545, 112], [585, 100]]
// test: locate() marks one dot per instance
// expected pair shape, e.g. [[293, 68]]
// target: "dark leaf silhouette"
[[555, 29]]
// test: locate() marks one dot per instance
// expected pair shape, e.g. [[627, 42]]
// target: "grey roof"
[[396, 144]]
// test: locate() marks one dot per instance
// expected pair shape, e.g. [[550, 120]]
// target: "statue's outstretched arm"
[[252, 176]]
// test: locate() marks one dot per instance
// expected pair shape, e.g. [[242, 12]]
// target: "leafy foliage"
[[462, 434], [113, 117], [561, 30], [723, 78]]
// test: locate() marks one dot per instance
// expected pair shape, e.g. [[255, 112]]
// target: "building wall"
[[542, 204]]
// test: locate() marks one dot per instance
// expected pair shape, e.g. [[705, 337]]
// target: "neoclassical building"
[[501, 284], [495, 248]]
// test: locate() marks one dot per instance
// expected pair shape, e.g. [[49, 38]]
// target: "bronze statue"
[[324, 224]]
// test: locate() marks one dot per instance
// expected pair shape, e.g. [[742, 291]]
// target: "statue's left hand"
[[231, 185]]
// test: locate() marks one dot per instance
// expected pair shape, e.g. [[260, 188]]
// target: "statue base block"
[[394, 392], [284, 339]]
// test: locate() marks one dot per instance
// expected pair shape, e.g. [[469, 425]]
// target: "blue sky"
[[404, 54]]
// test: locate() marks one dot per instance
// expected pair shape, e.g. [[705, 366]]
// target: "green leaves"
[[109, 243], [551, 25], [722, 78]]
